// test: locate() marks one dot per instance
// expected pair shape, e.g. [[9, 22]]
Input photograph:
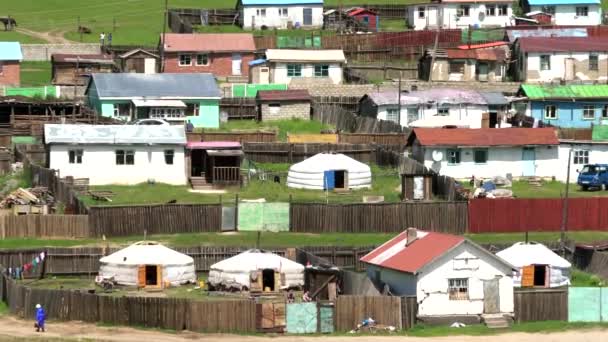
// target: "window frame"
[[296, 70], [502, 10], [283, 12], [588, 109], [75, 156], [261, 12], [491, 10], [421, 12], [580, 157], [443, 111], [169, 153], [124, 157], [455, 287], [582, 11], [545, 62], [486, 155], [456, 64], [548, 10], [604, 112], [594, 62], [547, 117], [184, 55], [456, 159], [392, 114], [463, 11], [323, 69], [206, 57]]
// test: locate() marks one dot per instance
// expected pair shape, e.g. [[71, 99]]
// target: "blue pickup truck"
[[593, 176]]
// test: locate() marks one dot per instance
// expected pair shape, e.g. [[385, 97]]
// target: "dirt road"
[[52, 37], [13, 327]]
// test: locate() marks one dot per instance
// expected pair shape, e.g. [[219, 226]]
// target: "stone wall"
[[288, 110], [43, 52]]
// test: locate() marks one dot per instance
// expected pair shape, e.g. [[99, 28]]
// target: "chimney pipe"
[[412, 235]]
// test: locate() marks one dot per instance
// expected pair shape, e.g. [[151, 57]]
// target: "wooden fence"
[[155, 219], [350, 310], [541, 305], [44, 226], [346, 121], [374, 138], [447, 217], [291, 153], [239, 107], [242, 137]]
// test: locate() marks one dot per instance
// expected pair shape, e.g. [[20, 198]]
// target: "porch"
[[214, 164]]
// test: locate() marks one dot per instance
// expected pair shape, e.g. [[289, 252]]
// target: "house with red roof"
[[224, 55], [485, 152], [450, 276]]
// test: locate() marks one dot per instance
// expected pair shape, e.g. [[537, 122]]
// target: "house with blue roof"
[[260, 14], [10, 63], [569, 106], [568, 12]]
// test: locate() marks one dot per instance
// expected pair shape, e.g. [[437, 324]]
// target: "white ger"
[[328, 171]]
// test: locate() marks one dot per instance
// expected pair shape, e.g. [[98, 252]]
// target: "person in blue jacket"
[[40, 317]]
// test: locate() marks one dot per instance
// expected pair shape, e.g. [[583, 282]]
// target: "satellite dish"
[[437, 156]]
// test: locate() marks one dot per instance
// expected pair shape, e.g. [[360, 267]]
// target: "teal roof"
[[579, 91], [10, 51]]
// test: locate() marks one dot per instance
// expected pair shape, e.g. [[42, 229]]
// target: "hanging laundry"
[[42, 255]]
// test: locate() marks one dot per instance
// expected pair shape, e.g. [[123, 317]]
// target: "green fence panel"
[[301, 318], [272, 217], [483, 35], [24, 140], [326, 319], [316, 41], [604, 305], [45, 91], [251, 90], [584, 304]]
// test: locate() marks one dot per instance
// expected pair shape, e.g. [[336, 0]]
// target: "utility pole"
[[399, 99], [162, 45], [77, 74], [433, 56], [564, 225], [79, 29]]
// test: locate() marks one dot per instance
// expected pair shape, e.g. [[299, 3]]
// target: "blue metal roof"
[[561, 2], [562, 32], [259, 61], [10, 51], [281, 2]]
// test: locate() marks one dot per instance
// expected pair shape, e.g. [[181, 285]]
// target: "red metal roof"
[[209, 42], [480, 54], [482, 46], [395, 255], [485, 136], [284, 95], [563, 44], [357, 11]]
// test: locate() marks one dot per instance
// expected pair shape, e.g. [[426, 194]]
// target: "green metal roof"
[[599, 133], [579, 91]]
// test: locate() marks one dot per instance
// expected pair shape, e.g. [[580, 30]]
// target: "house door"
[[482, 72], [150, 66], [431, 18], [491, 296], [569, 69], [307, 14], [236, 63], [264, 75], [528, 162]]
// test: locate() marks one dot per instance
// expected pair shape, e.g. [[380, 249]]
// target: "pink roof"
[[203, 145], [209, 42], [395, 255]]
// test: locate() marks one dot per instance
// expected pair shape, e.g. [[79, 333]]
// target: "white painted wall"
[[470, 114], [99, 164], [598, 154], [446, 16], [558, 66], [432, 288], [295, 14], [566, 15], [501, 160], [279, 72]]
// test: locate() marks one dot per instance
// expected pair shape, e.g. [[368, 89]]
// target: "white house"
[[452, 14], [547, 59], [461, 153], [255, 14], [436, 106], [536, 265], [583, 152], [118, 154], [449, 275], [283, 65], [569, 12]]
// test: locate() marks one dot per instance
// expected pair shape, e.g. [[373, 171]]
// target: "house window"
[[321, 70], [458, 289], [588, 112], [421, 12], [294, 70], [443, 111], [490, 10], [582, 11], [581, 157], [202, 59], [593, 62], [392, 114], [125, 157], [453, 157], [548, 9], [605, 112], [463, 10], [261, 12], [480, 156], [456, 67], [283, 12], [169, 154], [545, 62], [503, 10], [550, 112], [412, 114], [75, 156], [185, 60], [192, 109]]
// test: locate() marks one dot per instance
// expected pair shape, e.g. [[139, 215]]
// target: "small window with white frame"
[[503, 10], [443, 111], [458, 289], [594, 62], [283, 12], [75, 156], [550, 112], [125, 157], [421, 13], [321, 70], [581, 157], [588, 112], [545, 62], [294, 70], [605, 112], [169, 156], [582, 11], [463, 10], [202, 59], [185, 60], [392, 114], [453, 156], [490, 10], [261, 12]]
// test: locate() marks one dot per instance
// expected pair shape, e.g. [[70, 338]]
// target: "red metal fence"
[[520, 215]]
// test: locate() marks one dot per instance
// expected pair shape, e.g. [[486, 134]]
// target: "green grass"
[[549, 189], [283, 127], [3, 308], [14, 36], [150, 194], [392, 25], [481, 330], [580, 278], [21, 179], [509, 238], [35, 74]]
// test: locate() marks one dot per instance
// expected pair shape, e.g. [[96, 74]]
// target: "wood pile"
[[38, 195]]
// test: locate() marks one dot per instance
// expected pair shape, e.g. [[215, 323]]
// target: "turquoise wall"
[[587, 304], [272, 217], [209, 114], [106, 108]]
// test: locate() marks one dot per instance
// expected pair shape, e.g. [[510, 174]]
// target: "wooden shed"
[[139, 61], [366, 17], [76, 69], [416, 186]]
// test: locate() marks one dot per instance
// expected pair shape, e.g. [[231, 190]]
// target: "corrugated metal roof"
[[281, 2], [288, 55], [210, 42], [284, 95], [435, 95], [496, 54], [82, 58], [428, 246], [494, 98], [482, 46], [165, 85], [565, 32], [485, 137], [204, 145], [563, 44], [574, 91], [114, 134], [561, 2], [10, 51]]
